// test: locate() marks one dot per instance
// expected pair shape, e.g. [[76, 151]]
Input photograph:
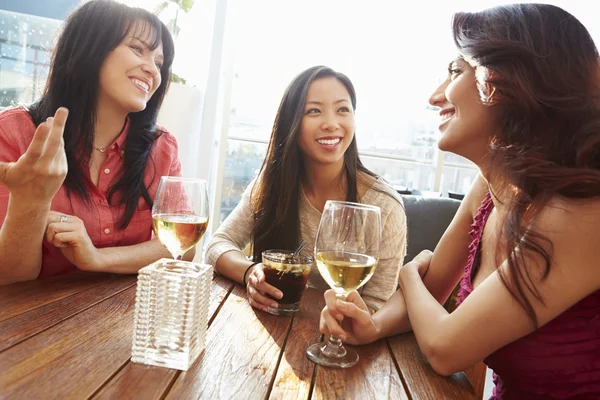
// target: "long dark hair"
[[89, 35], [277, 189], [539, 65]]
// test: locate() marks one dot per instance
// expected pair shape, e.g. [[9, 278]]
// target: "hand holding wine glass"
[[347, 253], [359, 325], [180, 213]]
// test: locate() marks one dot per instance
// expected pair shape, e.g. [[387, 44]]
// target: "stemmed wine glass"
[[347, 253], [180, 213]]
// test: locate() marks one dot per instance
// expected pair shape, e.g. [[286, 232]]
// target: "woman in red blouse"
[[110, 70]]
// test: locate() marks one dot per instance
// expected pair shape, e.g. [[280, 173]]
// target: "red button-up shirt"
[[100, 219]]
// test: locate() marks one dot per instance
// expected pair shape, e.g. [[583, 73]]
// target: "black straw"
[[299, 249]]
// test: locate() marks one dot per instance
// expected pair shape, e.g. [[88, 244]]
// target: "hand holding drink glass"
[[347, 252], [288, 272], [276, 285]]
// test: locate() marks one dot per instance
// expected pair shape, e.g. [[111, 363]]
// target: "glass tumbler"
[[171, 313]]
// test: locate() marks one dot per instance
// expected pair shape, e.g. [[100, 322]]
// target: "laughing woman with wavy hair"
[[522, 101]]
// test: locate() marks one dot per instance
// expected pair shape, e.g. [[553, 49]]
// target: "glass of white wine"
[[180, 213], [347, 253], [171, 306]]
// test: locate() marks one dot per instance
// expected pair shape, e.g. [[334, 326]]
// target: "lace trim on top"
[[479, 221]]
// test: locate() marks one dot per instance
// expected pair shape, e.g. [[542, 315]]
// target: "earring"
[[489, 98]]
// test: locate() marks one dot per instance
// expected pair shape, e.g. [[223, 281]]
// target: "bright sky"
[[394, 54]]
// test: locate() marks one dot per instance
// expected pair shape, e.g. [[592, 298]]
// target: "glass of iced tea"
[[288, 274]]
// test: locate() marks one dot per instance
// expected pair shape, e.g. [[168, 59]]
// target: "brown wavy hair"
[[539, 65], [277, 189]]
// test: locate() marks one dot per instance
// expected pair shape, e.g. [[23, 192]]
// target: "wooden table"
[[70, 337]]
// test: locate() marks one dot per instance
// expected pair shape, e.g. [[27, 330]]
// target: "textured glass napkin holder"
[[171, 313]]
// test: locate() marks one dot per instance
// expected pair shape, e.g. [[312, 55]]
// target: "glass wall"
[[395, 56], [26, 42]]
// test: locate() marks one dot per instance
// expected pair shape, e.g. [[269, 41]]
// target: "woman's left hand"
[[360, 328], [420, 263], [68, 233]]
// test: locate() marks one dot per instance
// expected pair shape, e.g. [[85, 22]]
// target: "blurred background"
[[234, 59]]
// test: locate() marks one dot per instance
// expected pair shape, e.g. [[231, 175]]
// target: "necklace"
[[100, 149]]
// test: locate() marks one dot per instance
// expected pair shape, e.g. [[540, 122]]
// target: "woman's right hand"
[[38, 174], [358, 327], [257, 289]]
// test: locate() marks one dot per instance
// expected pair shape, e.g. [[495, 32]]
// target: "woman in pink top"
[[522, 101], [110, 69]]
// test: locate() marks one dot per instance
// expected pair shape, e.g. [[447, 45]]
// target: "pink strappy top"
[[561, 360]]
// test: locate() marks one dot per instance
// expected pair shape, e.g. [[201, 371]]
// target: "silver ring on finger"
[[63, 218]]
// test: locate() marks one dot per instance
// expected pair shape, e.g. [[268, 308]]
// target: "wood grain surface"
[[70, 337], [29, 323], [241, 357], [21, 297], [421, 380], [295, 373], [138, 381], [74, 358], [374, 377]]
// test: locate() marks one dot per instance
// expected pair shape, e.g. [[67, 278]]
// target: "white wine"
[[346, 271], [179, 232]]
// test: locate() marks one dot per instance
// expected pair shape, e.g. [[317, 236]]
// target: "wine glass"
[[347, 253], [180, 213]]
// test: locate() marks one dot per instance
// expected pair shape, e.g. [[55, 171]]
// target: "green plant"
[[182, 5], [177, 79]]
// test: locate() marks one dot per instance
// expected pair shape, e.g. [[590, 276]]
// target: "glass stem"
[[333, 346]]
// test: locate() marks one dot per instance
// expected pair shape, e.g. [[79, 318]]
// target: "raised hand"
[[38, 174]]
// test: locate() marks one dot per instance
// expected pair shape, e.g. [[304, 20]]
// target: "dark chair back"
[[454, 195], [428, 218]]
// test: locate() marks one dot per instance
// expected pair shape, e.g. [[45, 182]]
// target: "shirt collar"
[[119, 144]]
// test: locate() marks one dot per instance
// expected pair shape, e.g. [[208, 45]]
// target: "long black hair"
[[90, 33], [276, 192]]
